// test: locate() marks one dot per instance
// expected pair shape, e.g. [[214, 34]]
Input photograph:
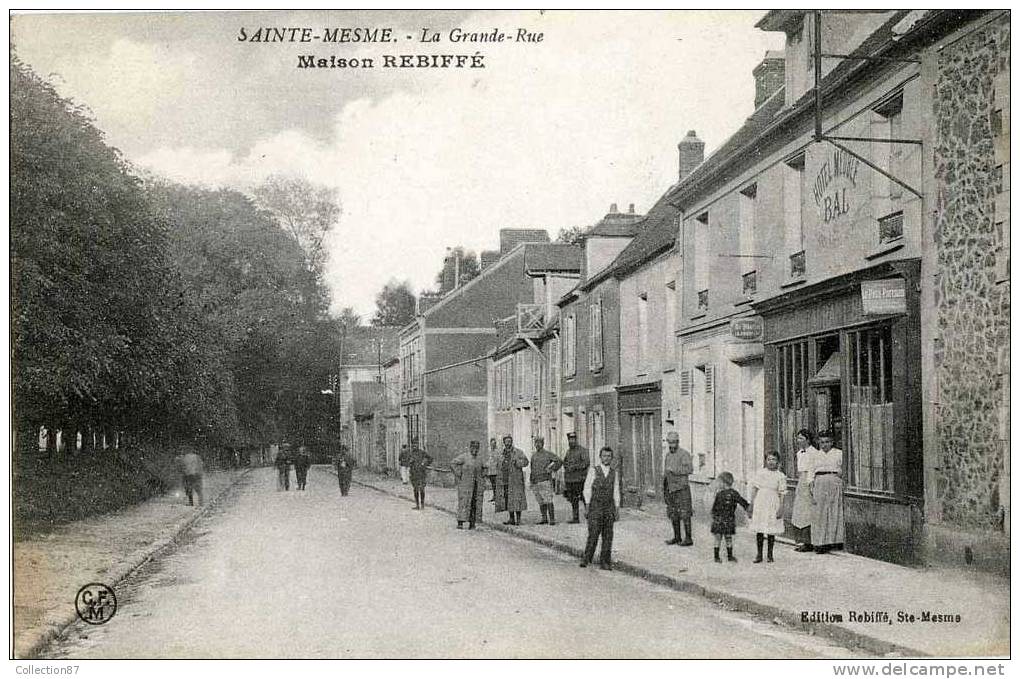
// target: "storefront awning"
[[829, 373]]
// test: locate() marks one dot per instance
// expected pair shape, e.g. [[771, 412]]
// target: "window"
[[595, 353], [669, 338], [569, 345], [792, 373], [793, 191], [749, 283], [554, 367], [890, 227], [702, 270], [596, 422], [746, 234], [702, 392], [870, 428], [642, 332], [887, 123]]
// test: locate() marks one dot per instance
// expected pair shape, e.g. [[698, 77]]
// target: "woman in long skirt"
[[827, 522], [807, 457]]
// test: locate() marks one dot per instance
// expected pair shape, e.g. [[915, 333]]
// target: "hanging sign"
[[882, 297], [748, 329]]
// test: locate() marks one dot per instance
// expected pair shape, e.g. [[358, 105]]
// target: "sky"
[[547, 135]]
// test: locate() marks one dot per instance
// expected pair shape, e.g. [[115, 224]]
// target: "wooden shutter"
[[685, 382], [710, 389]]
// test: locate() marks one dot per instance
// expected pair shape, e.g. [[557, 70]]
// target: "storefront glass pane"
[[870, 423]]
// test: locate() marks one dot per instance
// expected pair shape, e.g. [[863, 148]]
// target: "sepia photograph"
[[402, 334]]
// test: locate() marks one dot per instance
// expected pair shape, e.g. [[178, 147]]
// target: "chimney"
[[630, 210], [692, 152], [449, 281], [769, 76], [487, 258]]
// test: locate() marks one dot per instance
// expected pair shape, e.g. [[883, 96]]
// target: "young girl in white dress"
[[768, 486]]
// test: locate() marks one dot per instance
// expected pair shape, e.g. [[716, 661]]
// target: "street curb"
[[37, 639], [767, 612]]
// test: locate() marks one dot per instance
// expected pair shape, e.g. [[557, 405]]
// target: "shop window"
[[793, 370], [870, 426]]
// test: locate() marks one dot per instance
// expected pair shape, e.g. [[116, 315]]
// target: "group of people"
[[817, 506], [285, 459]]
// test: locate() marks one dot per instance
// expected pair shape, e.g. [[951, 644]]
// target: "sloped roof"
[[658, 232], [552, 257], [367, 345]]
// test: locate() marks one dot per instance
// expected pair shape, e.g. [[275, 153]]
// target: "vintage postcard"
[[475, 334]]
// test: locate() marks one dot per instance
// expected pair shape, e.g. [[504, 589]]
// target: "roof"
[[615, 225], [368, 345], [658, 233], [540, 257]]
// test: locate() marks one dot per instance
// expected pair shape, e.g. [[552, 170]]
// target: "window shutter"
[[685, 382], [709, 380], [710, 388]]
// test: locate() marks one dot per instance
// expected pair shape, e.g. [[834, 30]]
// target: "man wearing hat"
[[469, 470], [675, 488], [512, 498], [575, 471], [543, 465]]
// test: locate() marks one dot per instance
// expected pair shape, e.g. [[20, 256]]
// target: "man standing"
[[543, 465], [404, 460], [575, 471], [192, 469], [302, 462], [602, 495], [512, 497], [492, 467], [469, 470], [344, 469], [283, 467], [418, 462], [677, 490]]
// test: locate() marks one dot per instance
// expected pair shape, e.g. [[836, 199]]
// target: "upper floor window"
[[669, 332], [702, 265], [554, 367], [595, 350], [642, 331], [747, 259], [793, 205], [569, 345], [887, 126]]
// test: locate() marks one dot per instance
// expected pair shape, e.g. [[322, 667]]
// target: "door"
[[750, 441], [643, 444]]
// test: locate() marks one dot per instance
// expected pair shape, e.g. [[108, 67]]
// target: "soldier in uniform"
[[469, 470], [677, 490], [418, 462], [575, 471]]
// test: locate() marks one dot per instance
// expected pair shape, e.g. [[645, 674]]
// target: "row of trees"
[[153, 309]]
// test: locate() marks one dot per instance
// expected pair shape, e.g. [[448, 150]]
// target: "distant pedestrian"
[[511, 497], [492, 467], [192, 469], [544, 464], [469, 470], [724, 509], [602, 497], [418, 462], [807, 458], [282, 463], [827, 522], [344, 469], [404, 460], [768, 486], [575, 470], [676, 489], [302, 462]]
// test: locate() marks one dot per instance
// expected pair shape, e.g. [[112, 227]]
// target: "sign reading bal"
[[838, 172], [882, 297]]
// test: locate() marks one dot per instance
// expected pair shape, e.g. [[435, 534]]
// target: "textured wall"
[[972, 309]]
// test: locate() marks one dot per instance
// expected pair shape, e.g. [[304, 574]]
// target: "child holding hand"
[[768, 486], [724, 509]]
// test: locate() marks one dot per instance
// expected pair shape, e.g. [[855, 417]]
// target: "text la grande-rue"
[[343, 35]]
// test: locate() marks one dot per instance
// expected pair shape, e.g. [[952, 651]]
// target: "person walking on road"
[[827, 522], [192, 469], [418, 463], [724, 510], [344, 469], [768, 486], [677, 467], [282, 463], [602, 497], [807, 458], [469, 470], [575, 471], [404, 460], [511, 497], [543, 465], [492, 467], [302, 462]]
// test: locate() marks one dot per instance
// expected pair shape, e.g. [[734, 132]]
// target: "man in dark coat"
[[302, 462], [344, 468], [418, 462], [512, 497], [543, 465], [403, 460], [469, 470], [575, 471], [677, 467]]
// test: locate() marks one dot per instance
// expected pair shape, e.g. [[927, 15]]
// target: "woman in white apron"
[[807, 458]]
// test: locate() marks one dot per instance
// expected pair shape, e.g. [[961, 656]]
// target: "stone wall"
[[971, 293]]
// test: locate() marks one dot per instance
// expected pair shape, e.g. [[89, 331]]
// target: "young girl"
[[724, 508], [768, 486]]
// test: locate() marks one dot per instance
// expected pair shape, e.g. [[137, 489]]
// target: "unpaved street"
[[271, 574]]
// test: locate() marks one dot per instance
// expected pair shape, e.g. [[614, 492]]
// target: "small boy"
[[724, 509]]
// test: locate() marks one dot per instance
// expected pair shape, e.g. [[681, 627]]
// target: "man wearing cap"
[[575, 471], [470, 471], [543, 465], [675, 488], [418, 462], [492, 467], [511, 497]]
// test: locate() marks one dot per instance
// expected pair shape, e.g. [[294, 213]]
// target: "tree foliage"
[[348, 318], [572, 236], [307, 212], [395, 305], [468, 269]]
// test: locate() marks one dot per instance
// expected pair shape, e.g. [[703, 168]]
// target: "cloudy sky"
[[546, 135]]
